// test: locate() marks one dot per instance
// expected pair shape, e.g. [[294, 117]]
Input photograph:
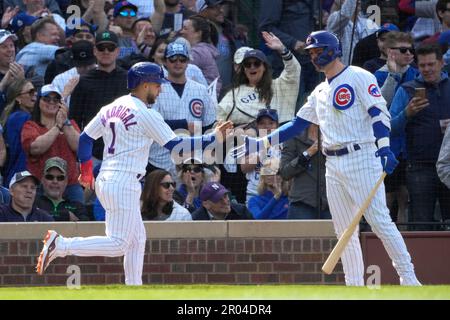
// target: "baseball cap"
[[257, 54], [271, 113], [19, 176], [176, 48], [240, 53], [5, 34], [72, 31], [270, 167], [387, 27], [107, 37], [186, 43], [83, 53], [47, 89], [123, 4], [21, 20], [213, 191], [205, 4], [55, 162], [444, 38]]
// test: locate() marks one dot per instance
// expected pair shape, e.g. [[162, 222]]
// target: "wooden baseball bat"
[[334, 256]]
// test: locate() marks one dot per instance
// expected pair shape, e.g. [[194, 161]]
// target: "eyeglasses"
[[194, 169], [30, 92], [177, 58], [130, 13], [102, 47], [248, 64], [51, 177], [404, 49], [166, 185], [51, 99]]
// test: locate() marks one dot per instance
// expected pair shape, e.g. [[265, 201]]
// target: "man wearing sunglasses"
[[183, 103], [125, 14], [54, 183]]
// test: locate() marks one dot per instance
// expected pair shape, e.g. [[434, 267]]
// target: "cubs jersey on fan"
[[340, 107]]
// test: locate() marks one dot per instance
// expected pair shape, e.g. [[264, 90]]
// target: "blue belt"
[[341, 152]]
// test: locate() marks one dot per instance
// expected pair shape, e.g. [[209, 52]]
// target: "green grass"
[[224, 292]]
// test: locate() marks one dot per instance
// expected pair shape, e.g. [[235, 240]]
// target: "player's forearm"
[[85, 145], [288, 131], [381, 126], [191, 143]]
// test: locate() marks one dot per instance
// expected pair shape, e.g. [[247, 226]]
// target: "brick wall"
[[187, 261]]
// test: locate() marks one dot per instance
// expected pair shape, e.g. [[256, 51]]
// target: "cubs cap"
[[21, 20], [5, 34], [47, 89], [187, 44], [19, 176], [271, 113], [387, 27], [56, 162], [175, 49], [123, 4], [107, 37], [240, 53], [257, 54], [83, 53], [213, 191]]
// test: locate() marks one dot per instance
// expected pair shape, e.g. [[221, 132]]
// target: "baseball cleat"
[[48, 251]]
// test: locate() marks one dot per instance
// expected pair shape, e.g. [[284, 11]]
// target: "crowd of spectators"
[[57, 70]]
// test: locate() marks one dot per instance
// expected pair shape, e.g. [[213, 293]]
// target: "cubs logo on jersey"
[[343, 97], [196, 107], [374, 91]]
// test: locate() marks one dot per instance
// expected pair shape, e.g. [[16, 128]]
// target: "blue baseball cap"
[[175, 49], [271, 113], [387, 27], [257, 54], [123, 4], [21, 20], [72, 31]]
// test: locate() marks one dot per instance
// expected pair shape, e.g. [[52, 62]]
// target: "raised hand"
[[273, 42], [223, 130], [70, 86], [9, 13]]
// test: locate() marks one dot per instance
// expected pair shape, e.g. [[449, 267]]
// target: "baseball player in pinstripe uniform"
[[181, 99], [355, 126], [128, 128]]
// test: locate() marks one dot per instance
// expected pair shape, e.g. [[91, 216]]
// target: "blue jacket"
[[265, 206], [16, 158], [423, 131]]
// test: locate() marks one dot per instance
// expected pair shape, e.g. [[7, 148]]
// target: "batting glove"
[[387, 158], [86, 178]]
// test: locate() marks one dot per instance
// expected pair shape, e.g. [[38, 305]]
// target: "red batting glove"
[[86, 177]]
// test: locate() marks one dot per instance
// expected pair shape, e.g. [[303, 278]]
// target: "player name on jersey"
[[120, 112]]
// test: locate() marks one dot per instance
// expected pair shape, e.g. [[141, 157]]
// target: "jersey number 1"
[[112, 125]]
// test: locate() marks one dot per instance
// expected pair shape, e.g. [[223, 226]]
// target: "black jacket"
[[238, 212], [63, 62], [96, 89]]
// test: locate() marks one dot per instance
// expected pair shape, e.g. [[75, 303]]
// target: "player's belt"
[[343, 151]]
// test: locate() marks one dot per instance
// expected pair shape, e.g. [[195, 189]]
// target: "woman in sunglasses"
[[255, 89], [192, 176], [20, 100], [50, 133], [157, 199]]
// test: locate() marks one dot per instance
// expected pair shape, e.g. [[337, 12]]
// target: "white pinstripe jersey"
[[340, 107], [194, 105], [128, 129]]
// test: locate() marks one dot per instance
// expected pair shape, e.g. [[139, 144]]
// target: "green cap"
[[56, 162]]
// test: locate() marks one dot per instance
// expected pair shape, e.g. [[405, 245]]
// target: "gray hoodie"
[[204, 55]]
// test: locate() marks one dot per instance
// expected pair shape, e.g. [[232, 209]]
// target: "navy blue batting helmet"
[[145, 72], [329, 42]]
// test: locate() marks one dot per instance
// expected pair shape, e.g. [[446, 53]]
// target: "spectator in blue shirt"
[[23, 188], [272, 201], [423, 120]]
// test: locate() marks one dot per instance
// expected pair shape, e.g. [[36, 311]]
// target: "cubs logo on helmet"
[[196, 108], [343, 97], [374, 91]]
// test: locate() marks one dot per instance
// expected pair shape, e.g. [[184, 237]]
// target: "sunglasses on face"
[[103, 47], [130, 13], [249, 64], [194, 169], [51, 99], [51, 177], [30, 92], [404, 49], [166, 185], [177, 58]]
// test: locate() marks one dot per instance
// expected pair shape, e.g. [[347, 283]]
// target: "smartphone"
[[421, 93]]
